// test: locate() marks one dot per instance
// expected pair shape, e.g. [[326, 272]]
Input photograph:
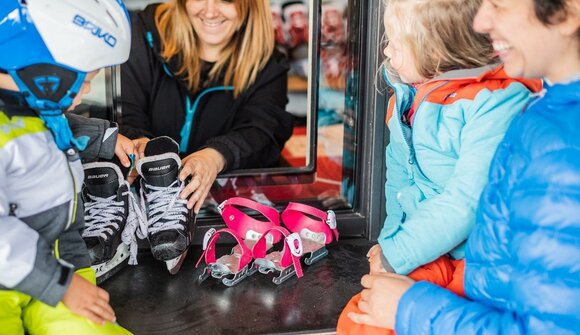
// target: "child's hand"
[[123, 149], [375, 260], [373, 250], [376, 264], [85, 299]]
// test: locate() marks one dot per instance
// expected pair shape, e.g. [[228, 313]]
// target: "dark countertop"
[[148, 300]]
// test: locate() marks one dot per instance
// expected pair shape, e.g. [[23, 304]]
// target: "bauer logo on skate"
[[159, 168]]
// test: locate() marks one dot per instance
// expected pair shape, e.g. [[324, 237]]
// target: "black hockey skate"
[[106, 199], [170, 224]]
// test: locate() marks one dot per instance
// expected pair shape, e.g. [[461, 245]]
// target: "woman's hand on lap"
[[380, 299]]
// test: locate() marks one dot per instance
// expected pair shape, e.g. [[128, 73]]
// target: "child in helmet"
[[49, 52]]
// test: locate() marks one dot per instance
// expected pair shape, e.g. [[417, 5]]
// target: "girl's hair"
[[555, 11], [439, 33], [242, 58]]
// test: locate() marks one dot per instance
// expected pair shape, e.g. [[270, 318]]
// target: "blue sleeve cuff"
[[420, 306]]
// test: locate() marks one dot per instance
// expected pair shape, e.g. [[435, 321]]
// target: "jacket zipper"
[[75, 196], [74, 204], [12, 210], [412, 159], [190, 110]]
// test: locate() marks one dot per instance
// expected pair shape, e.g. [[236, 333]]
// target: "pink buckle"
[[294, 244], [280, 261]]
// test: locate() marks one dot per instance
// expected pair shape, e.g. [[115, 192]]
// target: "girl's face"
[[401, 58], [215, 22], [527, 47], [85, 89]]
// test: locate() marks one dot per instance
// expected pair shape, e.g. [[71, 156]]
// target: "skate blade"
[[173, 265], [271, 264], [106, 270], [315, 256]]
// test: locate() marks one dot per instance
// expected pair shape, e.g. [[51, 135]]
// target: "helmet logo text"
[[95, 30]]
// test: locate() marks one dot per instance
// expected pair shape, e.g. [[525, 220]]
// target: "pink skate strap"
[[240, 222], [298, 216], [210, 240], [291, 252]]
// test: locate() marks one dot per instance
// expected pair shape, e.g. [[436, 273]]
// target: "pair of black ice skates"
[[114, 220]]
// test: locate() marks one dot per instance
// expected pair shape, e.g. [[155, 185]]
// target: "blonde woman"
[[205, 73]]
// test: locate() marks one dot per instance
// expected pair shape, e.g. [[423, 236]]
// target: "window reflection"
[[331, 185], [96, 103]]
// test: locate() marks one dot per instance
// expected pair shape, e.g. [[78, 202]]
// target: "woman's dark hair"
[[551, 11]]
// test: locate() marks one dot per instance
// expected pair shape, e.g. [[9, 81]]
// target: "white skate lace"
[[136, 227], [102, 216], [166, 210]]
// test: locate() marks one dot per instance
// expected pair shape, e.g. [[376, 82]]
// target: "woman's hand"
[[375, 260], [140, 144], [85, 299], [380, 299], [123, 149], [203, 166]]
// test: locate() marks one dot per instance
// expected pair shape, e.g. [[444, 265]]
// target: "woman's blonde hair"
[[242, 58], [439, 33]]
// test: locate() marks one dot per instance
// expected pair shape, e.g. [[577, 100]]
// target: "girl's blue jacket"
[[437, 169]]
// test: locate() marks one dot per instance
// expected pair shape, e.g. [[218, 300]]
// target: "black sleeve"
[[102, 136], [136, 78], [261, 127]]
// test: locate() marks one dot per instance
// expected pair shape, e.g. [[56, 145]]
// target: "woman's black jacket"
[[249, 131]]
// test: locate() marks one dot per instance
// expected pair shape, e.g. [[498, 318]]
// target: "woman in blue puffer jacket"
[[522, 272]]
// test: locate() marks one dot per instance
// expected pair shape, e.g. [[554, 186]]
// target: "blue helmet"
[[48, 46], [72, 35]]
